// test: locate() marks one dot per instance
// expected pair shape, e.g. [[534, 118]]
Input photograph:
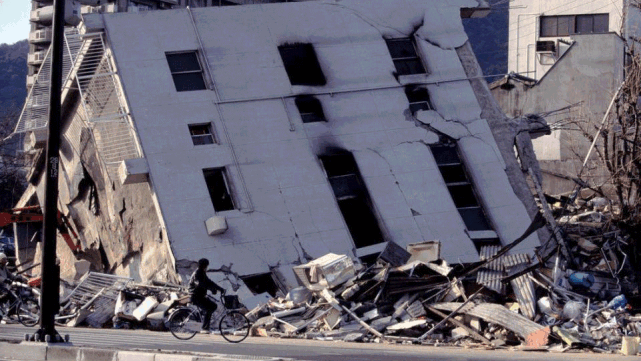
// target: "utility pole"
[[49, 298]]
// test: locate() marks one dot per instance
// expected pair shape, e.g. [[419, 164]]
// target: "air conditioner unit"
[[216, 225], [546, 46]]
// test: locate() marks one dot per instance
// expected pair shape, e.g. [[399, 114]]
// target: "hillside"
[[13, 75], [489, 39]]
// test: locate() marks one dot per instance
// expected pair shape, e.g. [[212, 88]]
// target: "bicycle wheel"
[[28, 312], [184, 323], [234, 326]]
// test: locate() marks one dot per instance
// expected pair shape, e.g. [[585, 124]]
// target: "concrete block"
[[94, 354], [630, 345], [134, 356], [168, 357], [62, 353], [81, 267], [133, 170], [26, 351]]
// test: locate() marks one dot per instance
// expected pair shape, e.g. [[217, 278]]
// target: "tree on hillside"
[[12, 163]]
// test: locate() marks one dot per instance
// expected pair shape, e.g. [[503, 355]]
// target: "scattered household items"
[[583, 294]]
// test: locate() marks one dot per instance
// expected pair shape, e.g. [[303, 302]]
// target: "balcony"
[[31, 80], [42, 16], [42, 36], [37, 57]]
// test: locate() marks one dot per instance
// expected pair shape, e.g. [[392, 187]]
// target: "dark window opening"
[[301, 64], [453, 174], [201, 134], [564, 25], [310, 109], [463, 196], [418, 98], [186, 71], [361, 222], [474, 219], [460, 187], [261, 283], [216, 180], [404, 55], [353, 199]]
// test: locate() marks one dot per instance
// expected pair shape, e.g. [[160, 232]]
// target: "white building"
[[264, 136], [567, 58]]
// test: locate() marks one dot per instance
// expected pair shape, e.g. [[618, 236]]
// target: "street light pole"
[[49, 298]]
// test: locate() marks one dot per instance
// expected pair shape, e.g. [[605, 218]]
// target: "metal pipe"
[[518, 40], [596, 136]]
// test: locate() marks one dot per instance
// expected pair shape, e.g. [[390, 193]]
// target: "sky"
[[14, 20]]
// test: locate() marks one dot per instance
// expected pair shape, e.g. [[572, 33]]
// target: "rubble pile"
[[583, 294], [504, 300], [102, 300]]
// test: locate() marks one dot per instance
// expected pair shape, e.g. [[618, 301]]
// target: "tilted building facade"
[[264, 136]]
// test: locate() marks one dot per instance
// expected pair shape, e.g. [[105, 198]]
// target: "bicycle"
[[186, 322], [25, 307]]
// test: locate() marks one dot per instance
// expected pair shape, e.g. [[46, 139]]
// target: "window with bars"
[[405, 57], [301, 64], [564, 25], [310, 109], [460, 187], [418, 98], [186, 71], [201, 134], [219, 190], [353, 199]]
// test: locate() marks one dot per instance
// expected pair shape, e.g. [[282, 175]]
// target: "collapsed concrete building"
[[264, 136]]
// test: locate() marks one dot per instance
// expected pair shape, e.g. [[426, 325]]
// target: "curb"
[[35, 351]]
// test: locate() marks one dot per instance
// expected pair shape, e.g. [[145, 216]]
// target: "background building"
[[567, 61]]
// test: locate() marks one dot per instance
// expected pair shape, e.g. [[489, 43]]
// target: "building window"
[[564, 25], [216, 179], [310, 109], [461, 190], [261, 283], [301, 64], [353, 199], [201, 134], [186, 71], [419, 98], [405, 57]]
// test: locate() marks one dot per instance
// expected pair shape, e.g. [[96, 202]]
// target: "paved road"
[[307, 350]]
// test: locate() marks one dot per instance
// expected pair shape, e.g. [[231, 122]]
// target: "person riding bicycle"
[[199, 284]]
